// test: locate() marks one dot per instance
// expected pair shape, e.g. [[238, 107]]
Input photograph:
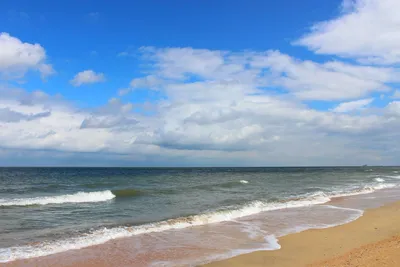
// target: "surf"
[[79, 197], [104, 235]]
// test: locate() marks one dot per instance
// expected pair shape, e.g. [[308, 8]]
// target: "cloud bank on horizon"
[[337, 104]]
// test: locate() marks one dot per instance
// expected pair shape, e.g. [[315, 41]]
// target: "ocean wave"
[[367, 189], [80, 197], [128, 192], [394, 176], [216, 186], [379, 180], [103, 235], [106, 234], [357, 213]]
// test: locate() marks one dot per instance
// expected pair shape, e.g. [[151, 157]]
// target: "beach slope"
[[372, 240]]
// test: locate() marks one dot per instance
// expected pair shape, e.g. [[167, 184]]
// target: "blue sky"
[[199, 83], [89, 34]]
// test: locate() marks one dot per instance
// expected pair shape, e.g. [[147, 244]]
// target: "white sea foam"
[[360, 191], [106, 234], [357, 214], [103, 235], [380, 180], [344, 208], [244, 182], [79, 197], [271, 243]]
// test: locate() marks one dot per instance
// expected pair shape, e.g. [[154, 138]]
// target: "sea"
[[180, 216]]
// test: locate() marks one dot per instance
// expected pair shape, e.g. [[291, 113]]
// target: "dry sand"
[[383, 253], [372, 240]]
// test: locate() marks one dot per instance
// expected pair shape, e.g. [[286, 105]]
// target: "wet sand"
[[372, 240]]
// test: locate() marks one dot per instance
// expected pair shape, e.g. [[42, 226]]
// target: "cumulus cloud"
[[393, 108], [176, 69], [216, 115], [227, 102], [107, 122], [25, 98], [327, 81], [87, 77], [353, 105], [251, 129], [124, 91], [396, 94], [8, 115], [17, 57], [367, 31], [149, 82], [215, 107]]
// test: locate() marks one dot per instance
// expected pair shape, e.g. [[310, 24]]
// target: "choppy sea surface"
[[180, 216]]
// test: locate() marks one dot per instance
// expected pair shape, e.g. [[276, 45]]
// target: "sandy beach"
[[372, 240], [200, 133]]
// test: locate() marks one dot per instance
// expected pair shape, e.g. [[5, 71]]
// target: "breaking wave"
[[103, 235], [360, 191], [80, 197], [127, 193]]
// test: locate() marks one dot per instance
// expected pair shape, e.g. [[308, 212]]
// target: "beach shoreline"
[[377, 232], [378, 229]]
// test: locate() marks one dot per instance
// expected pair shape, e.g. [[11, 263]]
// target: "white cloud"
[[393, 108], [216, 107], [176, 63], [8, 115], [87, 77], [107, 122], [223, 113], [396, 94], [368, 30], [211, 129], [16, 57], [353, 105], [124, 91], [326, 81], [176, 68]]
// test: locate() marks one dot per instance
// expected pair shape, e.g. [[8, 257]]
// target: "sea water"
[[179, 216]]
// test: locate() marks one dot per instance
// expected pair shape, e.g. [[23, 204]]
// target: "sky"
[[199, 83]]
